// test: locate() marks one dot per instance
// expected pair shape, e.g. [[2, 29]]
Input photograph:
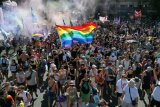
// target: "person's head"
[[120, 67], [94, 66], [109, 64], [13, 61], [33, 66], [83, 57], [131, 83], [30, 68], [6, 86], [71, 66], [72, 84], [100, 70], [123, 76], [130, 68], [20, 69], [82, 65], [103, 66], [53, 67], [149, 69], [149, 61], [136, 79], [86, 76], [23, 52], [20, 89]]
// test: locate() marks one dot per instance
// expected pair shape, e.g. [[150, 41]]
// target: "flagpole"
[[58, 34], [71, 24], [64, 22]]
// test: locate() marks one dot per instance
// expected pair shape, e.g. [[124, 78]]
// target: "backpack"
[[27, 93], [72, 95], [85, 87], [41, 65], [4, 63]]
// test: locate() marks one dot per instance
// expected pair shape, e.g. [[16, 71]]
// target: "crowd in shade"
[[121, 63]]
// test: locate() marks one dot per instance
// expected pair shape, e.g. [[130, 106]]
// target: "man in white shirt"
[[130, 95], [126, 63], [93, 73], [32, 80], [121, 83], [156, 96]]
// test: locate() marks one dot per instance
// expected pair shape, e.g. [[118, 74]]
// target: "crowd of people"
[[123, 62]]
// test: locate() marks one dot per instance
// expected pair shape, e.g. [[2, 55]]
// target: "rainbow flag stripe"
[[38, 35], [81, 34]]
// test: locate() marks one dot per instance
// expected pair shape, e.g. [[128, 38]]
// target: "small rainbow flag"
[[81, 34], [38, 35]]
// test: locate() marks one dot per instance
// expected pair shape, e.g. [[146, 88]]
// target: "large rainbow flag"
[[81, 34]]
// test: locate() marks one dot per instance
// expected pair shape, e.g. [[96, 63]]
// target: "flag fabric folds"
[[64, 22], [81, 34], [38, 35], [71, 24]]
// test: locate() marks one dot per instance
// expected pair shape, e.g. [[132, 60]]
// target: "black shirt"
[[2, 102]]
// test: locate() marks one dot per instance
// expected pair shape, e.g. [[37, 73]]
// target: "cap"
[[72, 83], [120, 66], [103, 66], [131, 83], [158, 83], [94, 66], [109, 63], [149, 68]]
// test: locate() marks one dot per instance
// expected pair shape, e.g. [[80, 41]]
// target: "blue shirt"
[[156, 93], [133, 92]]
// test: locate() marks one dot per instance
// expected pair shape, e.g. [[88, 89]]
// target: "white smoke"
[[51, 13]]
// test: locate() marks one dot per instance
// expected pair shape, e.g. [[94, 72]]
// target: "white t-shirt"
[[93, 72], [33, 80], [119, 62], [20, 77], [126, 64], [133, 91], [13, 68], [121, 84], [137, 56]]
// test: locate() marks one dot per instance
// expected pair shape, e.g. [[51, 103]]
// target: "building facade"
[[124, 7]]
